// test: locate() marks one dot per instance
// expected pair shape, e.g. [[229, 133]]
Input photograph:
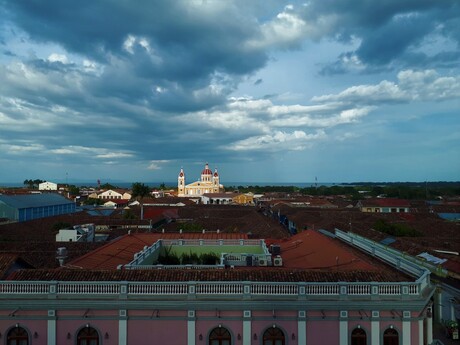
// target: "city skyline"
[[278, 92]]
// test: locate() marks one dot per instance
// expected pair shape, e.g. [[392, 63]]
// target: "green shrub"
[[396, 229]]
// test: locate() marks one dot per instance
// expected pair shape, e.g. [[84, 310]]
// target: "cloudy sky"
[[265, 91]]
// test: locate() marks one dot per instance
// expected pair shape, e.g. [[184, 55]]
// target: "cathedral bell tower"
[[215, 182], [181, 183]]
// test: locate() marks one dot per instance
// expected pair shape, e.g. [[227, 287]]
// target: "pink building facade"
[[247, 306], [215, 313]]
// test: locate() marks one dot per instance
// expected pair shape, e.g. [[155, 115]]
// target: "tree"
[[108, 186], [140, 190], [94, 201], [74, 190], [32, 184]]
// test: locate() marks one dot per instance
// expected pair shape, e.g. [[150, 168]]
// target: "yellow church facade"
[[208, 183]]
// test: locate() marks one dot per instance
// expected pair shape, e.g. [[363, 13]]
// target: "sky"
[[264, 91]]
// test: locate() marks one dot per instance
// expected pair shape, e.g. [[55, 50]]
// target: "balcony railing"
[[238, 289]]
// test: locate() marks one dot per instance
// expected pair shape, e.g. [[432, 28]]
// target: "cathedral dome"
[[206, 170]]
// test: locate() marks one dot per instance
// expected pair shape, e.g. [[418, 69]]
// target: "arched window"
[[273, 336], [17, 336], [88, 336], [358, 337], [390, 337], [220, 336]]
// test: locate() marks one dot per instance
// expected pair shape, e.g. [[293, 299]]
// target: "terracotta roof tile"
[[11, 261], [312, 250], [268, 275]]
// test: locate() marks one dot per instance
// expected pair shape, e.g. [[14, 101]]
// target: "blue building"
[[26, 207]]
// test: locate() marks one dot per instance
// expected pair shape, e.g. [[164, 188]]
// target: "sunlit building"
[[208, 183]]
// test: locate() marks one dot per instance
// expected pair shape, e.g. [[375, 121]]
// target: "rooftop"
[[121, 251], [34, 200]]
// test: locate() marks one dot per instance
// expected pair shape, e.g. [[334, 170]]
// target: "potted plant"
[[452, 328]]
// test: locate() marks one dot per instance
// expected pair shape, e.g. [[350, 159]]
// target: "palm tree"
[[140, 191]]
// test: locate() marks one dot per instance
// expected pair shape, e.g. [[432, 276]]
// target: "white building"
[[47, 186], [208, 183], [79, 233], [111, 194], [217, 198]]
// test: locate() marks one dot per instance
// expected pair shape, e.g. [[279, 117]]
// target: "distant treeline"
[[403, 190]]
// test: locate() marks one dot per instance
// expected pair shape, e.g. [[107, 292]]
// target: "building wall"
[[31, 213], [243, 199], [67, 235], [6, 211], [110, 194], [385, 209], [47, 186], [156, 326]]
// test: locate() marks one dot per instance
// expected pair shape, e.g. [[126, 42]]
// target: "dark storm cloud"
[[389, 41], [176, 48], [387, 30], [176, 29]]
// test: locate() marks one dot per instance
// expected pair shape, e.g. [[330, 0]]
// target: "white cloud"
[[156, 164], [95, 152], [278, 141], [58, 58], [285, 30], [24, 148], [110, 155], [428, 85], [128, 44], [412, 86]]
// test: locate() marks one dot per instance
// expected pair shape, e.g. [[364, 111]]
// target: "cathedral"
[[209, 183]]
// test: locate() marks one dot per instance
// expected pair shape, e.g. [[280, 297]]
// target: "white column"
[[429, 329], [438, 304], [343, 332], [191, 332], [122, 332], [51, 332], [247, 327], [452, 309], [420, 332], [406, 337], [375, 332], [247, 332], [301, 332]]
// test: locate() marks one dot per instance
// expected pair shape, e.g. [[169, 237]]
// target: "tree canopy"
[[140, 190]]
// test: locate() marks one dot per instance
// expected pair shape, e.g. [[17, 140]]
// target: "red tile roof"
[[122, 250], [10, 262], [268, 275], [313, 250]]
